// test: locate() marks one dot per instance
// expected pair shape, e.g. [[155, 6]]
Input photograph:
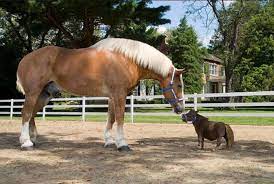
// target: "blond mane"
[[141, 53]]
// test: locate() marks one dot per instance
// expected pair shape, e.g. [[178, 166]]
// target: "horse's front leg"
[[110, 121], [119, 103]]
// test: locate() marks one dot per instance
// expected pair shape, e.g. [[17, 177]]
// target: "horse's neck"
[[149, 74]]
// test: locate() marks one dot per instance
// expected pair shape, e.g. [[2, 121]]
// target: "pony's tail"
[[19, 86], [229, 136]]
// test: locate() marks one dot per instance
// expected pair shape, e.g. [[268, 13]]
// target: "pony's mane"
[[142, 54]]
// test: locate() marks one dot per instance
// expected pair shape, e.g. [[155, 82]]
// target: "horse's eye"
[[179, 86]]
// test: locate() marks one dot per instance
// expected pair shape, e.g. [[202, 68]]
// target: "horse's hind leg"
[[42, 101], [27, 113], [32, 131], [110, 121]]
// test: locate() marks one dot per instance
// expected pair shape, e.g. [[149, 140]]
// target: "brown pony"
[[111, 68], [210, 130]]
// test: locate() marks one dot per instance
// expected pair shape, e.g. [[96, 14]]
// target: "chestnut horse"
[[112, 68]]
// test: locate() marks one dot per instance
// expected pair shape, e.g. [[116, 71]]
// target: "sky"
[[178, 9]]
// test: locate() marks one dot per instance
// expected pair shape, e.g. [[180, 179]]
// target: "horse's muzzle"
[[178, 108]]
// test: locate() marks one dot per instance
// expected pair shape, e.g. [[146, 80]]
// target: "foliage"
[[141, 33], [225, 43], [260, 79], [27, 25], [186, 52], [255, 70]]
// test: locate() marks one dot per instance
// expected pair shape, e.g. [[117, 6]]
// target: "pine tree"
[[186, 52]]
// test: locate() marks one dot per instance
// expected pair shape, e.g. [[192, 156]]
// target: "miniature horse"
[[111, 68], [209, 129]]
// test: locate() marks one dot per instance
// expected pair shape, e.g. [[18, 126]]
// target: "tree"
[[141, 33], [226, 39], [255, 70], [27, 25], [76, 22], [186, 52]]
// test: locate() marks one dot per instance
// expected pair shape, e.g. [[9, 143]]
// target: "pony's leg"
[[219, 142], [110, 121], [226, 140], [120, 103], [42, 101], [27, 112], [199, 140], [202, 143]]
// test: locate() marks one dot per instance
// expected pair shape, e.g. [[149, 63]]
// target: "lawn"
[[162, 119]]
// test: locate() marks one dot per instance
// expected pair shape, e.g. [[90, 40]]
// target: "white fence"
[[12, 104]]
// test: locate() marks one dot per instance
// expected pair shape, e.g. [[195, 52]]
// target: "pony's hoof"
[[124, 149]]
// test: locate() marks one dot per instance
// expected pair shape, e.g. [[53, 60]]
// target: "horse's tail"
[[19, 86], [229, 136]]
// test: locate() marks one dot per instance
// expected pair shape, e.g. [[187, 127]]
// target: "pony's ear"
[[180, 71]]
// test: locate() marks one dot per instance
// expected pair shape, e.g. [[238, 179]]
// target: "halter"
[[175, 99], [184, 115]]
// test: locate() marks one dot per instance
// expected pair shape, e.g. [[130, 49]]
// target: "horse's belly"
[[84, 86], [92, 73]]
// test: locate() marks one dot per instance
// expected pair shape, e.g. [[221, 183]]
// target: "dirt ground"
[[72, 152]]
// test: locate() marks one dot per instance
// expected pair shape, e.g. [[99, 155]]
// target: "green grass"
[[223, 110], [162, 119]]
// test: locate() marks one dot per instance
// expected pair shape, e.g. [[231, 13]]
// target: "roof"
[[212, 58]]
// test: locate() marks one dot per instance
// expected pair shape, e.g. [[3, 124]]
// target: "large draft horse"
[[112, 68]]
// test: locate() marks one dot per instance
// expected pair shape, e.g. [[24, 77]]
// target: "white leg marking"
[[25, 138], [108, 138], [120, 140]]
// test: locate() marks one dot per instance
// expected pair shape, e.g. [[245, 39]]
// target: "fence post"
[[83, 108], [132, 108], [184, 104], [44, 113], [195, 101], [11, 108]]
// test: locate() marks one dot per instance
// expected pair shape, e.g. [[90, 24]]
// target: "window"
[[222, 71], [213, 69]]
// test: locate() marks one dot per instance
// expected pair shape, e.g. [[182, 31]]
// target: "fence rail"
[[190, 100]]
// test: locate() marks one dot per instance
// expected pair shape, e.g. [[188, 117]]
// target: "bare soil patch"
[[72, 152]]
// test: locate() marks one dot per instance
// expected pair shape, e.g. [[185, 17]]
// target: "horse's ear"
[[180, 71]]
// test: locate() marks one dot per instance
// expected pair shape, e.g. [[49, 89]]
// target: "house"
[[214, 75], [213, 78]]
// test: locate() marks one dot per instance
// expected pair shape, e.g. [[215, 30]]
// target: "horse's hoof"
[[27, 148], [124, 149], [109, 146]]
